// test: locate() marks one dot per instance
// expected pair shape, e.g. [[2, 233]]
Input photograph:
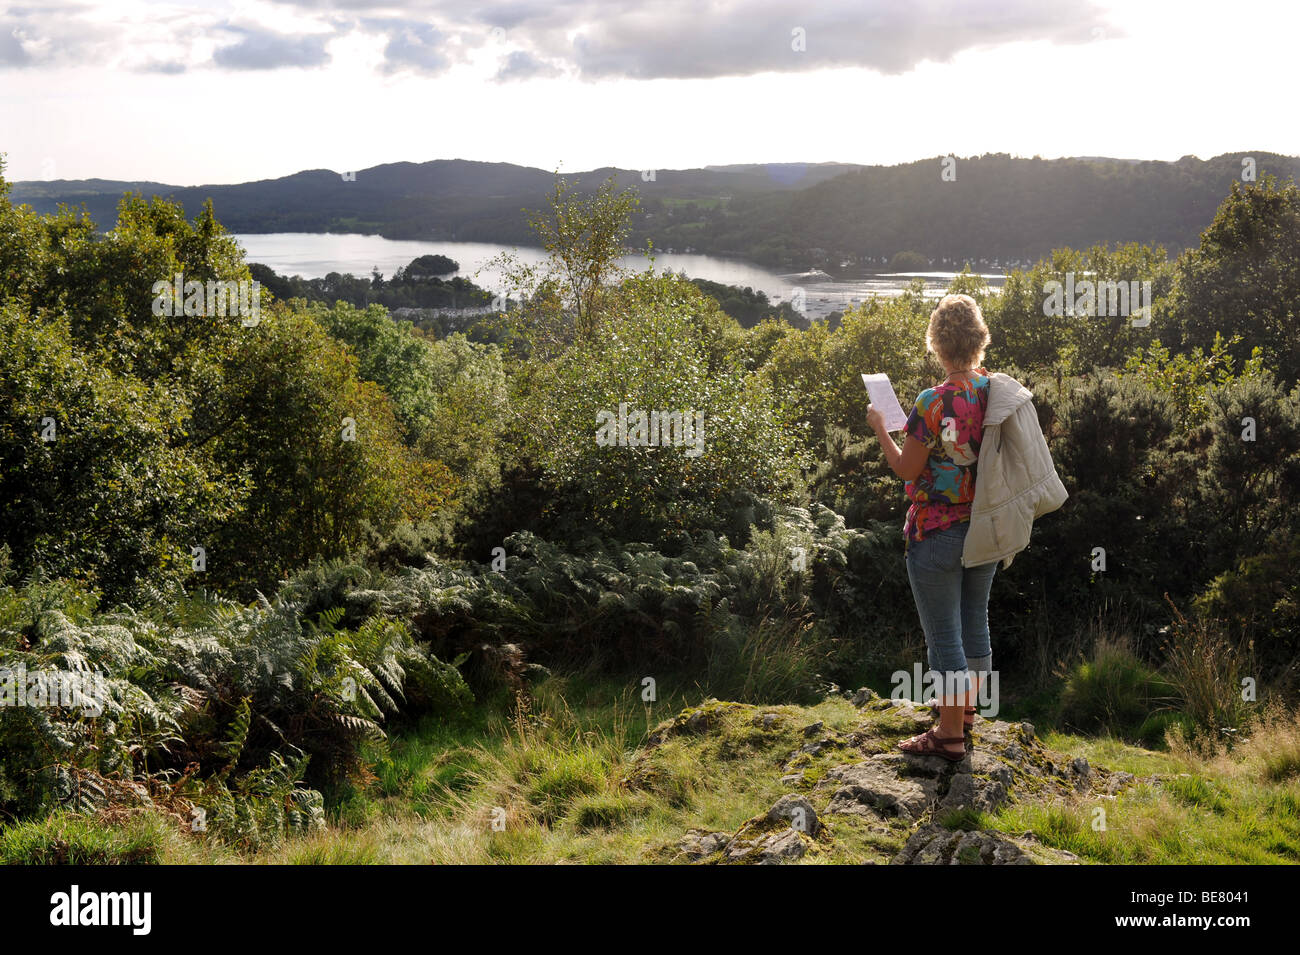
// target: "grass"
[[1207, 806], [1115, 693], [68, 839], [564, 771], [563, 776]]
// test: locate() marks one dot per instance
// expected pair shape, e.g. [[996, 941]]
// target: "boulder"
[[699, 843], [934, 845], [785, 846], [798, 811], [878, 786]]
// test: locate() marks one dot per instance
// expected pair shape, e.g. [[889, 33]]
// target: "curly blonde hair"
[[957, 333]]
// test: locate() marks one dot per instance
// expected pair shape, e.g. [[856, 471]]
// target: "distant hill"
[[62, 190], [445, 198], [996, 209]]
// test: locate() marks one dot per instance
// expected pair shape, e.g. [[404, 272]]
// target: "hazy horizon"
[[659, 170]]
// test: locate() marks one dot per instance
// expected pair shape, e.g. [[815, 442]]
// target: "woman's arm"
[[907, 463]]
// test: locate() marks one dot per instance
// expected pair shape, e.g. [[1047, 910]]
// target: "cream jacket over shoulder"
[[1015, 480]]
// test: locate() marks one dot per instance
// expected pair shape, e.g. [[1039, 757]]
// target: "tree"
[[105, 286], [431, 266], [97, 480], [650, 358], [320, 448], [584, 240], [818, 371], [449, 395], [1244, 278]]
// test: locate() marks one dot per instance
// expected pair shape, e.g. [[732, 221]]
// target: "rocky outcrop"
[[855, 785], [935, 845]]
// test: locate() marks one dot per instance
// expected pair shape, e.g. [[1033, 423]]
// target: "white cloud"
[[101, 89]]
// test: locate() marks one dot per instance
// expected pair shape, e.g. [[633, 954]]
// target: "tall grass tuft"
[[1207, 669], [1114, 692], [546, 765], [770, 660], [1267, 748]]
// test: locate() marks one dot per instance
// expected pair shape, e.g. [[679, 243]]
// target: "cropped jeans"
[[953, 604]]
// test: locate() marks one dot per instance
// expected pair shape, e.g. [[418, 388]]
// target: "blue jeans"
[[952, 601]]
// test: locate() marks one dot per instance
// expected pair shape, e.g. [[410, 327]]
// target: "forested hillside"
[[444, 198], [991, 209]]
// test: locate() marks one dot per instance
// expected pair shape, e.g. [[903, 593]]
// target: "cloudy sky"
[[210, 91]]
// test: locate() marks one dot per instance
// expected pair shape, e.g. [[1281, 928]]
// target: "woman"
[[938, 461]]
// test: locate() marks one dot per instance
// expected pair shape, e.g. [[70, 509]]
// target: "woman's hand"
[[875, 418], [907, 463]]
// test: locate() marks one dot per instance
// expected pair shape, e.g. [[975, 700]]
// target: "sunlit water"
[[314, 255]]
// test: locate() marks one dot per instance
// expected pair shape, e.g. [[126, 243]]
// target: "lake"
[[314, 255]]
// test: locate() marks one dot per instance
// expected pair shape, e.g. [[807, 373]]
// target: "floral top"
[[949, 420]]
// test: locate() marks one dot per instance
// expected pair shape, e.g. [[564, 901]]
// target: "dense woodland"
[[415, 291], [397, 525], [409, 287]]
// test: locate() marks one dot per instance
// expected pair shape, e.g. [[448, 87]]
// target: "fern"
[[233, 746]]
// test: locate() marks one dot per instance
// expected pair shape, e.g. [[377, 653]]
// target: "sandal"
[[930, 744]]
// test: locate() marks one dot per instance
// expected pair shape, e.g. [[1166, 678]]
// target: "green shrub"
[[817, 372], [615, 606], [648, 356], [321, 450], [1244, 489], [1257, 605], [1074, 344], [1116, 445], [1155, 727], [449, 395], [603, 810]]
